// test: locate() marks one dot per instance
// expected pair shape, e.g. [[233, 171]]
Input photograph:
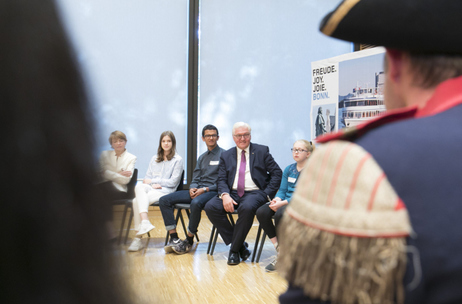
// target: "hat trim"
[[338, 16], [400, 216], [341, 269]]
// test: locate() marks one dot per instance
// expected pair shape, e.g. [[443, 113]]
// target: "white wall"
[[255, 58], [134, 58], [255, 66]]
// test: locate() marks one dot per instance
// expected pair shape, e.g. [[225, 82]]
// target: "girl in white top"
[[162, 177]]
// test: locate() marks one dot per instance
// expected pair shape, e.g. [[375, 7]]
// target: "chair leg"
[[166, 239], [182, 222], [214, 242], [256, 243], [122, 224], [231, 219], [211, 239], [261, 246], [129, 224], [214, 235]]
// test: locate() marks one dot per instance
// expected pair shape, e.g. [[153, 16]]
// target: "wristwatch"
[[205, 189]]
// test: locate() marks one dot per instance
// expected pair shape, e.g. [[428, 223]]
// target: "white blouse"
[[110, 165]]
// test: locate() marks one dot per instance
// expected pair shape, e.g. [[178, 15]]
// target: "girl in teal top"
[[301, 150]]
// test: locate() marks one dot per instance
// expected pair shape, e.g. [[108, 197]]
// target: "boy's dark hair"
[[209, 127]]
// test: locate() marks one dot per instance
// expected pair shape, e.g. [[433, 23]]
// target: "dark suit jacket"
[[264, 170]]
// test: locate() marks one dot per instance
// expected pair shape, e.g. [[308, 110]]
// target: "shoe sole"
[[141, 233], [168, 249], [134, 250], [181, 252]]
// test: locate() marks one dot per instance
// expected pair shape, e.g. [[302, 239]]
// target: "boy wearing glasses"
[[203, 187]]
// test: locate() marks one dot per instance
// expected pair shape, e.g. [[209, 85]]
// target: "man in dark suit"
[[248, 177]]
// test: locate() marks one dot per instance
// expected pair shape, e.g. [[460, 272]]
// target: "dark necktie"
[[241, 178]]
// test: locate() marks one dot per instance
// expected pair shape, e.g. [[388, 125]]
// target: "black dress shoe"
[[244, 252], [233, 258]]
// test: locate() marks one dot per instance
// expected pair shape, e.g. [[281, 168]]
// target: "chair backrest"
[[131, 184], [180, 185]]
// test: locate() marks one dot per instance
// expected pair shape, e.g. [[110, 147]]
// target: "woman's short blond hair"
[[117, 135]]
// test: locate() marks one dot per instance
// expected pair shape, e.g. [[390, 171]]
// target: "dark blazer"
[[264, 170]]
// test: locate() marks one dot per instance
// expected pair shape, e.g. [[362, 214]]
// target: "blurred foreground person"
[[376, 214], [52, 223]]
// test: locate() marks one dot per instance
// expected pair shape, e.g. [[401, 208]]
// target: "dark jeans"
[[265, 215], [167, 202], [246, 208]]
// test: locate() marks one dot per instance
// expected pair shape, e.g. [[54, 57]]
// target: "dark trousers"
[[246, 208], [107, 194], [167, 202], [265, 217]]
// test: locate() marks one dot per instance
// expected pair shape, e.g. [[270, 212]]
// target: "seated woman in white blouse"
[[116, 169], [117, 166], [162, 177]]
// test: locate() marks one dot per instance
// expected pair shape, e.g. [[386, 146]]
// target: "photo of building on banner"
[[346, 90]]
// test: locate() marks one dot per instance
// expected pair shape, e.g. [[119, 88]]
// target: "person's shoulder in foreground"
[[390, 186], [54, 240]]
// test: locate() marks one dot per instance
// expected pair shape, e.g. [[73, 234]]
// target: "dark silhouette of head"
[[52, 224]]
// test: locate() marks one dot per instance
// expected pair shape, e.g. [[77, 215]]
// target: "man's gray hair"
[[241, 124]]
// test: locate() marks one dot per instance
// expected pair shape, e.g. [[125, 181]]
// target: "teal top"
[[289, 179]]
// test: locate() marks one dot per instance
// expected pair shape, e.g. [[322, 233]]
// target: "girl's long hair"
[[160, 151]]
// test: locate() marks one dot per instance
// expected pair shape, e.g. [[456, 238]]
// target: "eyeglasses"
[[211, 136], [298, 150], [246, 136]]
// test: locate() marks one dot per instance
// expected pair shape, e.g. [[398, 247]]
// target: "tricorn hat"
[[424, 26]]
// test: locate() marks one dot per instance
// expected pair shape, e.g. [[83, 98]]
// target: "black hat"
[[424, 26]]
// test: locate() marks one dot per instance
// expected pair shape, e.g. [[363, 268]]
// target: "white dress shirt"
[[249, 184]]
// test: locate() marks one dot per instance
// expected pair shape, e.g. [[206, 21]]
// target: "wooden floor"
[[196, 277]]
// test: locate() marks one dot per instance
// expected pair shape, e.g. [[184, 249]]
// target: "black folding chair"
[[179, 216], [214, 234], [127, 202]]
